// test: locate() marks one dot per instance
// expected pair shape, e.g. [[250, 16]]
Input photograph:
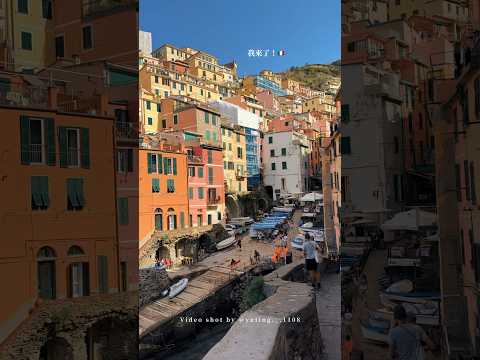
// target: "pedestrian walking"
[[256, 256], [406, 338], [309, 250], [239, 244]]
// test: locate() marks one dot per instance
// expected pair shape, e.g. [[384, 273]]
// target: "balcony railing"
[[194, 159], [36, 153], [213, 200], [105, 7], [126, 130], [73, 156]]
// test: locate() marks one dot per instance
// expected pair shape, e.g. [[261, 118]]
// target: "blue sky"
[[308, 30]]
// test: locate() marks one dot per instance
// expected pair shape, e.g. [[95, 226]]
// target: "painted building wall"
[[26, 231]]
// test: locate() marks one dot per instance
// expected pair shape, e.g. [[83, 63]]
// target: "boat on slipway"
[[226, 243], [176, 288]]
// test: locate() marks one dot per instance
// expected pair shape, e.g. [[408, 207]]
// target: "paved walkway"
[[329, 316]]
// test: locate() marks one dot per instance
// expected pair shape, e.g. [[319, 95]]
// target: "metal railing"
[[126, 130], [73, 156], [213, 200], [36, 153], [194, 159]]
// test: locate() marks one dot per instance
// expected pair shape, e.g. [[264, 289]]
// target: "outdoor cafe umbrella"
[[311, 197], [410, 220]]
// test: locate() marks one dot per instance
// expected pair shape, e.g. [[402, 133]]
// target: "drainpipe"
[[117, 243]]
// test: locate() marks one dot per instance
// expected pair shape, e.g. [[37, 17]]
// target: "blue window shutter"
[[174, 166], [50, 141], [62, 142], [85, 148], [165, 166], [25, 140]]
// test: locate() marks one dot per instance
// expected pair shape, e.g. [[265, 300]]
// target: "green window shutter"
[[190, 193], [165, 166], [44, 191], [102, 273], [159, 156], [37, 201], [200, 172], [62, 142], [25, 140], [50, 141], [174, 166], [155, 185], [71, 193], [149, 162], [79, 192], [206, 118], [85, 148], [182, 220], [123, 211], [200, 193]]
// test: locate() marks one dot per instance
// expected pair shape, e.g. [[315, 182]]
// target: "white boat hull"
[[373, 335], [421, 319], [226, 243], [177, 288]]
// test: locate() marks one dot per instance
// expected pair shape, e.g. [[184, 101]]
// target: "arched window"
[[46, 272], [172, 219], [46, 253], [158, 219], [75, 251]]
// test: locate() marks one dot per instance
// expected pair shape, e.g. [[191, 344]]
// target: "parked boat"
[[374, 333], [297, 242], [378, 321], [176, 288], [432, 319], [403, 286], [226, 243], [411, 297]]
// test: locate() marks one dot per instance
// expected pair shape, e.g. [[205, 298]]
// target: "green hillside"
[[315, 76]]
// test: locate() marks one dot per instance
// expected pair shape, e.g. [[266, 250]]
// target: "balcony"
[[240, 176], [92, 8], [213, 201], [126, 130], [194, 159]]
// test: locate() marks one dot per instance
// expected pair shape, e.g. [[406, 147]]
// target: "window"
[[210, 175], [209, 219], [200, 193], [164, 123], [214, 119], [175, 119], [158, 219], [190, 193], [123, 211], [238, 137], [40, 198], [75, 195], [182, 219], [200, 172], [155, 185], [165, 93], [229, 147], [156, 79], [26, 40], [125, 160], [73, 147], [148, 104], [102, 269], [207, 134], [210, 157], [206, 117], [224, 146], [191, 171], [190, 220], [190, 88], [87, 37], [170, 185], [284, 152], [284, 165], [239, 153], [46, 274], [345, 145], [59, 46], [283, 184], [174, 85], [124, 275], [199, 219], [22, 6], [159, 108], [273, 166], [272, 152], [149, 121], [270, 140], [214, 135]]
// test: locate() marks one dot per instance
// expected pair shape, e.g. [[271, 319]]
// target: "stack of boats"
[[424, 306], [271, 222]]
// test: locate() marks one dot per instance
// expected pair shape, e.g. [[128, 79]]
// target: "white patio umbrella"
[[410, 220], [311, 197]]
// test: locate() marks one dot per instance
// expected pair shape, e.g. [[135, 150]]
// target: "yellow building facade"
[[30, 39], [234, 158]]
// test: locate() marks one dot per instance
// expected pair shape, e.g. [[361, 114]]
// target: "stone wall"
[[284, 326], [152, 283], [110, 318]]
